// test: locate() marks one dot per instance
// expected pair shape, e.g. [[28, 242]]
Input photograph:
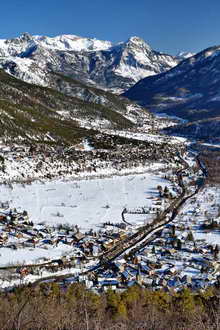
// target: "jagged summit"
[[25, 36], [137, 41]]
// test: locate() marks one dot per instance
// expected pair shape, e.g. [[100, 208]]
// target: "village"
[[169, 256]]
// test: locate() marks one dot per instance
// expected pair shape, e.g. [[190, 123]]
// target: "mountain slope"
[[40, 114], [207, 129], [98, 63], [190, 90]]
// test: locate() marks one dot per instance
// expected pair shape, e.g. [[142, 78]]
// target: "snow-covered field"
[[86, 203], [9, 257]]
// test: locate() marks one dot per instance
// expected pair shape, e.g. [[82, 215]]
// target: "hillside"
[[189, 91], [37, 113]]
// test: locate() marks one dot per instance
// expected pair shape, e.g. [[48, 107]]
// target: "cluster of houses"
[[172, 261], [19, 233]]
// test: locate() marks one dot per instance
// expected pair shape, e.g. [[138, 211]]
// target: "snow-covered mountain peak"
[[15, 46], [184, 55], [72, 43], [137, 43], [136, 40], [213, 51], [24, 37], [205, 56]]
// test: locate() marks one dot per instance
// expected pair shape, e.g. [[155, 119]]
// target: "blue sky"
[[167, 25]]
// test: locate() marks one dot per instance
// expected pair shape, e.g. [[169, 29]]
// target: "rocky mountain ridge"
[[113, 67]]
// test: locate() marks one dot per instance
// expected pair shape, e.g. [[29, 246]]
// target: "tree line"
[[50, 306]]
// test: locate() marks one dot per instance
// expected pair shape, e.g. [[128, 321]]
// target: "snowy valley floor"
[[85, 203]]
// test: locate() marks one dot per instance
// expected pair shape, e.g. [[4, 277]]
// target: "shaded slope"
[[190, 90], [43, 114]]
